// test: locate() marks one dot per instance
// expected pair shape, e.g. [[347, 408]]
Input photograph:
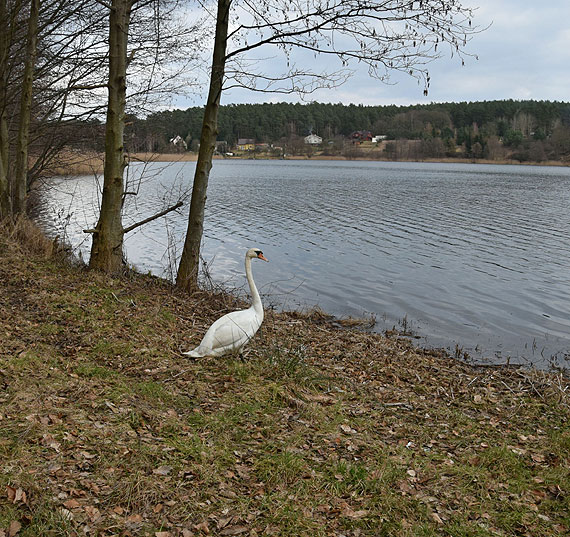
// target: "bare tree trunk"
[[20, 185], [187, 277], [5, 196], [107, 248]]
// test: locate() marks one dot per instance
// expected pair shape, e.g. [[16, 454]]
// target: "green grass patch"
[[152, 390], [90, 370], [281, 468]]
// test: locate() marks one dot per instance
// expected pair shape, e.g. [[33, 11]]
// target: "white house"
[[178, 141], [313, 139], [379, 138]]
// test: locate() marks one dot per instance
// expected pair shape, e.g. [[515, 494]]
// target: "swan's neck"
[[256, 299]]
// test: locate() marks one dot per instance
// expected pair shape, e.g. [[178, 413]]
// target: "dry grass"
[[163, 157], [71, 162], [24, 237], [106, 430]]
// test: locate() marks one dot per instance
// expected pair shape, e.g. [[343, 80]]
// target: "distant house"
[[379, 138], [179, 142], [361, 136], [246, 144], [313, 139]]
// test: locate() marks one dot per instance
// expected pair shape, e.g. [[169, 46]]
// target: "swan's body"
[[232, 331]]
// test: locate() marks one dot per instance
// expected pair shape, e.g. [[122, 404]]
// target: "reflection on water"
[[471, 255]]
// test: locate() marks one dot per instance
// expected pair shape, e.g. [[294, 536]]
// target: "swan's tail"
[[194, 353]]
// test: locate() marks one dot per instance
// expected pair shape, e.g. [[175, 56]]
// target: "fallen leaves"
[[66, 514], [16, 495], [93, 513], [349, 513], [162, 470], [202, 527], [436, 518], [234, 530], [131, 443], [49, 441], [14, 528], [72, 504]]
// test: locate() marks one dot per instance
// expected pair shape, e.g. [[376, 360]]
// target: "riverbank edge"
[[324, 430], [92, 163]]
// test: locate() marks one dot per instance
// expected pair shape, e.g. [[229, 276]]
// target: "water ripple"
[[473, 255]]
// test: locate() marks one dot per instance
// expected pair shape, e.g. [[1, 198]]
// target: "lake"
[[470, 257]]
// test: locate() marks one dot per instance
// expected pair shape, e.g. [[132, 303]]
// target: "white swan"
[[233, 330]]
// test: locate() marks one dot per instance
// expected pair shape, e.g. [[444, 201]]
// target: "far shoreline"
[[192, 157], [92, 163]]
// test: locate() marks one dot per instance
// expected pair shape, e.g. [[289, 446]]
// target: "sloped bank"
[[106, 430]]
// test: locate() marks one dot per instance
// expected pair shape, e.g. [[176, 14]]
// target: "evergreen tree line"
[[527, 130]]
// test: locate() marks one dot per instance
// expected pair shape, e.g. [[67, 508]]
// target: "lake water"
[[471, 257]]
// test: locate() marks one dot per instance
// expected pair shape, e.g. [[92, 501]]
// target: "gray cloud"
[[524, 54]]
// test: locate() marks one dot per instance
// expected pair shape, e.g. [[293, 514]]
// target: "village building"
[[313, 139], [361, 136], [246, 144], [178, 142]]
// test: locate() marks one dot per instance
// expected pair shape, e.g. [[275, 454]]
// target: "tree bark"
[[107, 247], [5, 196], [20, 184], [187, 277]]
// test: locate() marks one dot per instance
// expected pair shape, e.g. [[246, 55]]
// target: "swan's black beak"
[[261, 256]]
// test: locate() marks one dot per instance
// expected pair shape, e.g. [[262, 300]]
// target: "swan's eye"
[[258, 252]]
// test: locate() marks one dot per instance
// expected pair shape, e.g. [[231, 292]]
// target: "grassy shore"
[[105, 429]]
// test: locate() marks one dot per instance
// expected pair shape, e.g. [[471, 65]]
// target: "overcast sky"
[[524, 54]]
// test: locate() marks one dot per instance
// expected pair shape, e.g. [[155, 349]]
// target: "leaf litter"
[[320, 430]]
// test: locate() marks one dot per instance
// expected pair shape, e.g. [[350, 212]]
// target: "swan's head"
[[255, 252]]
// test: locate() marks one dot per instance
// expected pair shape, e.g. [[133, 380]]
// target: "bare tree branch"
[[154, 217]]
